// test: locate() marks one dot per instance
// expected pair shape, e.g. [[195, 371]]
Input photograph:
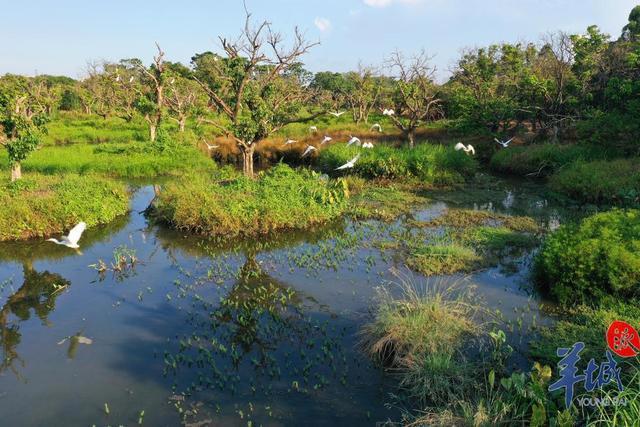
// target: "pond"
[[258, 332]]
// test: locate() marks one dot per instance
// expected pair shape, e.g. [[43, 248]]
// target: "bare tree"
[[414, 96], [256, 86], [364, 96], [155, 76], [183, 98]]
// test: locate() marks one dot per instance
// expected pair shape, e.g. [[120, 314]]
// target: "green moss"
[[39, 206], [597, 257], [615, 182], [280, 198]]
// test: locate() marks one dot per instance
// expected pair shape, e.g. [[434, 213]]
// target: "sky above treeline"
[[60, 37]]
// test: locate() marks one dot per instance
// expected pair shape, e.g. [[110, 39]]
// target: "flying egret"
[[71, 240], [466, 148], [504, 144], [326, 139], [349, 164], [353, 140], [313, 129], [309, 149], [376, 127], [211, 147], [367, 145], [337, 113], [388, 112], [290, 141]]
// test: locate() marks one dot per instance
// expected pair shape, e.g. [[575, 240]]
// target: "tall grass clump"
[[541, 159], [280, 198], [433, 164], [39, 205], [600, 256], [613, 182], [73, 128]]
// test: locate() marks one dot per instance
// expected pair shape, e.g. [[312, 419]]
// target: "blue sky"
[[59, 37]]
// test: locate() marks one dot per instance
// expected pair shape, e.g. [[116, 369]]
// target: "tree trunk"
[[247, 159], [181, 123], [410, 137], [152, 132], [16, 172]]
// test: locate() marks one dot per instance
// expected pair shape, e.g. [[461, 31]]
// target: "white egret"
[[466, 148], [131, 79], [367, 145], [313, 129], [290, 141], [309, 149], [172, 81], [376, 127], [118, 77], [354, 140], [71, 240], [337, 113], [326, 139], [349, 164], [504, 144], [388, 112]]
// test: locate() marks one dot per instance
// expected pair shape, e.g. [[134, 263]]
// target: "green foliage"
[[39, 206], [432, 164], [281, 198], [585, 262], [613, 182]]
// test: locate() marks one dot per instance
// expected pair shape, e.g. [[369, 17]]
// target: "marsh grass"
[[444, 257], [422, 333], [383, 201], [40, 205]]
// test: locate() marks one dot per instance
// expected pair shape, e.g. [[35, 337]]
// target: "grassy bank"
[[70, 128], [132, 160], [39, 205], [588, 261], [281, 198], [431, 164]]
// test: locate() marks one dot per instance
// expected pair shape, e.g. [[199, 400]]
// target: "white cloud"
[[323, 24], [385, 3]]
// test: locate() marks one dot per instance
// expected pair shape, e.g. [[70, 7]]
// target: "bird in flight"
[[354, 140], [349, 164], [72, 239], [326, 139], [504, 144], [337, 113], [211, 147], [309, 149], [388, 112], [313, 129], [376, 127], [290, 141], [466, 148]]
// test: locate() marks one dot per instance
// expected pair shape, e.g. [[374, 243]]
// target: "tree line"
[[585, 84]]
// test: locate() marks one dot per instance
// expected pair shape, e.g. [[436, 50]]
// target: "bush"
[[616, 182], [281, 198], [542, 159], [599, 256], [433, 164], [39, 206]]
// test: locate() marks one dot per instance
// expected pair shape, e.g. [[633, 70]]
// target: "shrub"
[[599, 256], [281, 198], [616, 181], [433, 164], [39, 206]]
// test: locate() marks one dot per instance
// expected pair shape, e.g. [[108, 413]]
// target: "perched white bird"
[[349, 164], [290, 141], [466, 148], [131, 79], [388, 112], [354, 140], [118, 77], [367, 145], [377, 127], [504, 144], [313, 129], [172, 81], [337, 113], [326, 139], [211, 147], [309, 149], [71, 240]]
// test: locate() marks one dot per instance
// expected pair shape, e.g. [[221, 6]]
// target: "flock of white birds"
[[73, 238]]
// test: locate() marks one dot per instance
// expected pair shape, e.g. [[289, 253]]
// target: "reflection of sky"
[[350, 30]]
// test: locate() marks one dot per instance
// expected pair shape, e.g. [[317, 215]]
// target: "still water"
[[260, 332]]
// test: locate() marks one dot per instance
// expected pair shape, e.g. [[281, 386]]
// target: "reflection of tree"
[[38, 292]]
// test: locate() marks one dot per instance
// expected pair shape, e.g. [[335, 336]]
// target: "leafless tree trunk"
[[156, 76], [16, 171]]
